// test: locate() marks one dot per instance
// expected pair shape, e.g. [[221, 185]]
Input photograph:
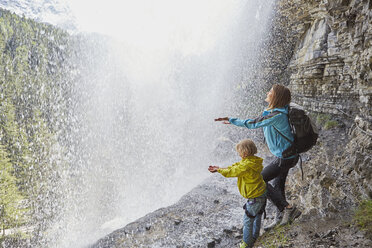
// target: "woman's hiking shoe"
[[295, 214], [277, 220], [286, 216], [289, 215]]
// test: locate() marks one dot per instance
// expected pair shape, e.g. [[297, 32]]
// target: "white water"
[[145, 129]]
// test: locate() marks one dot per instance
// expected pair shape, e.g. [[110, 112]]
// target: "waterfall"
[[150, 85]]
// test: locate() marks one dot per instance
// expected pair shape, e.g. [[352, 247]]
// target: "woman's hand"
[[213, 168], [224, 119]]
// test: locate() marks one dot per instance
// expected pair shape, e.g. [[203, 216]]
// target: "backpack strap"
[[289, 119], [292, 143], [285, 137], [302, 171]]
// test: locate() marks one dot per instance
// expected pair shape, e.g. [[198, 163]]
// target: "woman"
[[273, 120]]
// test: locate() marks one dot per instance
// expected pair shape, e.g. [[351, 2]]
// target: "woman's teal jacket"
[[270, 120]]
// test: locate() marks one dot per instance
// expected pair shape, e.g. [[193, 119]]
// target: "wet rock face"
[[328, 233], [331, 67], [337, 173], [330, 72]]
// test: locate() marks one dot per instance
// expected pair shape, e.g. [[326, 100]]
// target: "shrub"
[[274, 238], [363, 216], [322, 118], [325, 121], [330, 124]]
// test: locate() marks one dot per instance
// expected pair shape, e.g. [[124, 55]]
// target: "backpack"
[[304, 131]]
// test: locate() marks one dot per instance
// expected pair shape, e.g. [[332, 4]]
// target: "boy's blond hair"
[[246, 148]]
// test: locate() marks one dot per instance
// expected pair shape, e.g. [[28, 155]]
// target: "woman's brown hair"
[[281, 96]]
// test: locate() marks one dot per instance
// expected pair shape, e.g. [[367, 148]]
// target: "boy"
[[251, 186]]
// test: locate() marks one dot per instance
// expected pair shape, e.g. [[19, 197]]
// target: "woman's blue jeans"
[[251, 226]]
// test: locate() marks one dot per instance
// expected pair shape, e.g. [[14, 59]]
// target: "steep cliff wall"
[[330, 72], [331, 65]]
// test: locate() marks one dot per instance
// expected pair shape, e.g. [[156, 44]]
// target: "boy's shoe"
[[277, 220], [289, 215], [243, 244]]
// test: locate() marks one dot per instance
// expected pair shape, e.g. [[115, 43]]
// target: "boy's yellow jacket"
[[248, 172]]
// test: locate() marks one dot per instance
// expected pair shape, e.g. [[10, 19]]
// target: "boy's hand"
[[213, 169], [224, 119]]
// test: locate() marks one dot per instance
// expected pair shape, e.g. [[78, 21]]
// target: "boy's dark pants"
[[277, 171]]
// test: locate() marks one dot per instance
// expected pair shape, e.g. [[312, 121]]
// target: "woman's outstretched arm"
[[258, 122]]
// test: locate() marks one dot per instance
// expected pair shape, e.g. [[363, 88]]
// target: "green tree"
[[35, 106], [11, 211]]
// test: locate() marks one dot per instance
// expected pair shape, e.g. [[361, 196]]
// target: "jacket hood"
[[283, 110], [255, 163]]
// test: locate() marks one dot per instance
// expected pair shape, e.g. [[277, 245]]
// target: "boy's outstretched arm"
[[234, 170]]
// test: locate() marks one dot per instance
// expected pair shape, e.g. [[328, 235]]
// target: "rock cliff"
[[330, 68], [330, 72], [208, 216]]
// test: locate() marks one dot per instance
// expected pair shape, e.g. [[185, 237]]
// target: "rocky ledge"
[[211, 216], [208, 216]]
